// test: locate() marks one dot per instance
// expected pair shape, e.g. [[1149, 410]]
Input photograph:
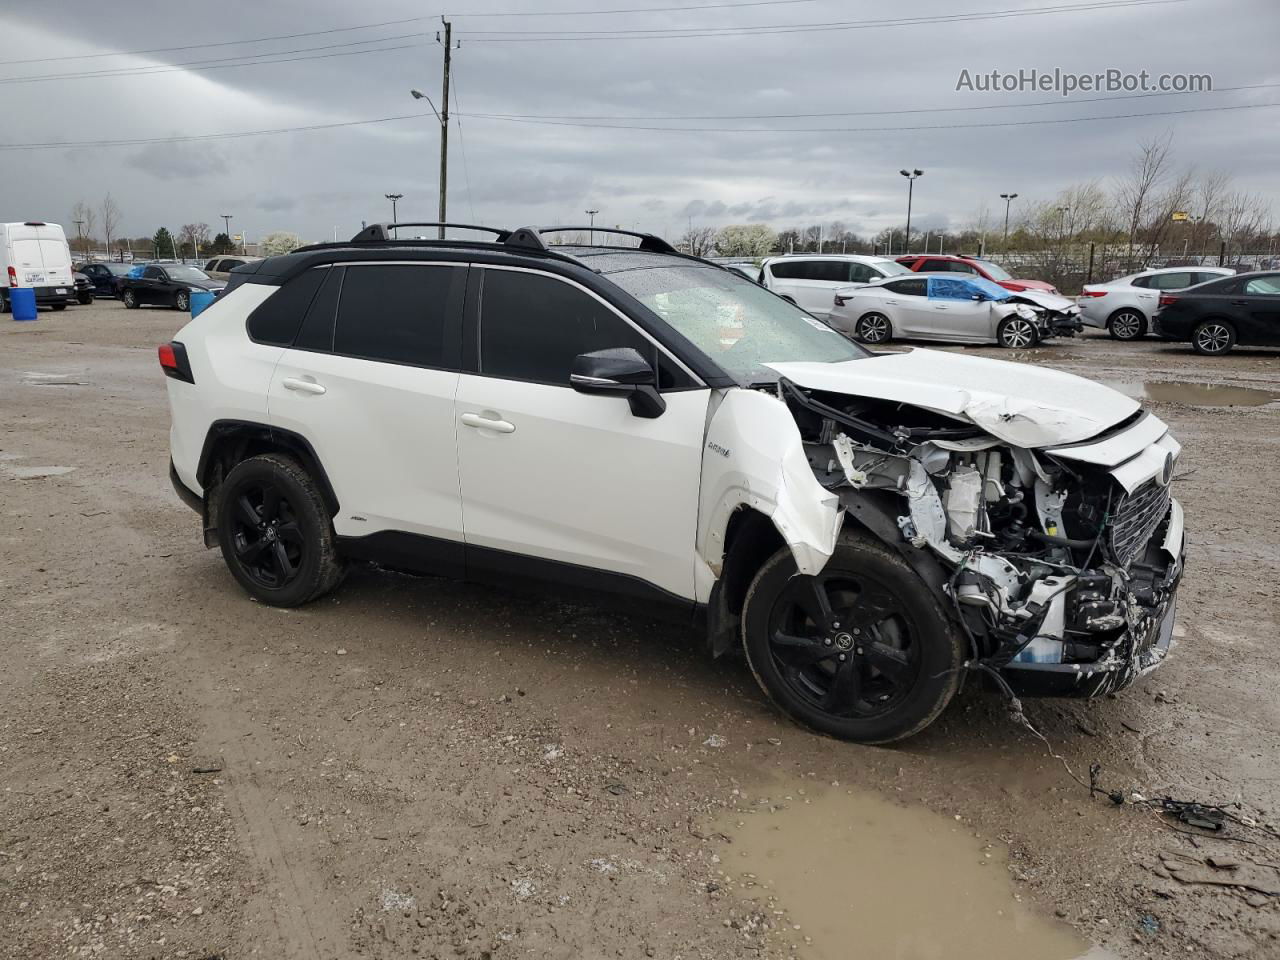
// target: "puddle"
[[1197, 394], [867, 877], [33, 473]]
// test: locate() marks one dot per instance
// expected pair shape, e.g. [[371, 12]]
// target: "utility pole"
[[226, 228], [393, 197], [911, 182], [1008, 198], [444, 122], [592, 215], [80, 233]]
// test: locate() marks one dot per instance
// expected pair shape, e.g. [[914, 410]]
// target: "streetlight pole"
[[1008, 198], [393, 197], [592, 235], [911, 183], [80, 233], [226, 227]]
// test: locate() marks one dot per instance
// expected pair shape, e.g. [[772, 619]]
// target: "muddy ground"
[[417, 767]]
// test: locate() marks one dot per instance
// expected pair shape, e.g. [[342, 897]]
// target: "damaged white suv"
[[870, 528]]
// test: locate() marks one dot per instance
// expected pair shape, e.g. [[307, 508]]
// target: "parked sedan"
[[84, 288], [974, 267], [1124, 306], [1215, 316], [946, 307], [105, 277], [166, 285]]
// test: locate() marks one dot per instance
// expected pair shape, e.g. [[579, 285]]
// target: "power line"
[[936, 126], [500, 36], [1060, 101], [141, 141], [396, 23], [462, 145]]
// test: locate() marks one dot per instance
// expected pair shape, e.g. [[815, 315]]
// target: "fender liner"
[[877, 513]]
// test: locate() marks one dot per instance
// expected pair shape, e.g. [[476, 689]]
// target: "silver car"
[[219, 268], [945, 306], [1124, 306]]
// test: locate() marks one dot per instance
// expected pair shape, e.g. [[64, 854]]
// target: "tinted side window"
[[785, 270], [862, 273], [938, 266], [1141, 281], [911, 287], [316, 332], [531, 327], [395, 312], [277, 319], [211, 265], [153, 273], [1171, 281]]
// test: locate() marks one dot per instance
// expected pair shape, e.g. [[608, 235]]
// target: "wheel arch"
[[229, 442]]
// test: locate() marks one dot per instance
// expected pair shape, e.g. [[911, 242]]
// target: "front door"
[[564, 484]]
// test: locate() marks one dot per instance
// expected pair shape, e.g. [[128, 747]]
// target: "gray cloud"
[[316, 182]]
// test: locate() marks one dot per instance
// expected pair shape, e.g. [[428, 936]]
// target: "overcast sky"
[[511, 173]]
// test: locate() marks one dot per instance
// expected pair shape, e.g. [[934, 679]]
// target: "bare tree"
[[1245, 218], [84, 216], [699, 240], [194, 235], [1147, 174], [110, 218]]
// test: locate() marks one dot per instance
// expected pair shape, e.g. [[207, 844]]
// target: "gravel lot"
[[418, 767]]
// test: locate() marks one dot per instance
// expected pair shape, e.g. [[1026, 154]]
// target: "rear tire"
[[1127, 325], [876, 661], [130, 299], [276, 533], [1213, 338], [873, 328], [1017, 333], [58, 306]]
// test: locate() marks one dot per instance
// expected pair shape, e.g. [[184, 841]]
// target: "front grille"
[[1135, 520]]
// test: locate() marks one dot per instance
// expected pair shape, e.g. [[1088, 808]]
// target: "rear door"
[[369, 381], [1145, 295], [56, 257], [908, 306], [573, 479]]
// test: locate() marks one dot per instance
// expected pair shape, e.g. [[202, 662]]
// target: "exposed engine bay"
[[1055, 316], [1060, 564]]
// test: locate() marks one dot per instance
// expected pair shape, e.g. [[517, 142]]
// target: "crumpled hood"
[[1023, 405], [1050, 301]]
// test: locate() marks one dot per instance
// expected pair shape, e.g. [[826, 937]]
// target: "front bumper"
[[56, 294], [1143, 644]]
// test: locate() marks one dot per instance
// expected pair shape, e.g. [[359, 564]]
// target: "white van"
[[811, 280], [35, 254]]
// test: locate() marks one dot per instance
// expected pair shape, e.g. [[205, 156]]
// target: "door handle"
[[302, 386], [484, 423], [1239, 303]]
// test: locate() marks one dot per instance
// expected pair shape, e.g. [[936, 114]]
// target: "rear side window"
[[396, 312], [787, 270], [316, 332], [912, 287], [532, 327], [211, 265], [1171, 281], [862, 273], [277, 319]]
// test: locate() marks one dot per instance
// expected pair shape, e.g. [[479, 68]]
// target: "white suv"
[[811, 280], [651, 426]]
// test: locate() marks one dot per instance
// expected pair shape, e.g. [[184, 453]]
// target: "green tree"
[[222, 244], [162, 244]]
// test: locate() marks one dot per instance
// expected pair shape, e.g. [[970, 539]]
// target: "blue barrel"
[[22, 301], [200, 299]]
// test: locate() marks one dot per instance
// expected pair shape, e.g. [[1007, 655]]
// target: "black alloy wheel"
[[861, 651], [268, 540], [841, 644], [275, 531]]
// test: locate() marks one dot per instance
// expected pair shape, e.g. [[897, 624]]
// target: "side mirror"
[[979, 297], [621, 371]]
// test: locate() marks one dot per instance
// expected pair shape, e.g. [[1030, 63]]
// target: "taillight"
[[1094, 293], [1167, 299], [841, 301], [13, 277], [174, 363]]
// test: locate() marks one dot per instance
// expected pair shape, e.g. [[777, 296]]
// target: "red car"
[[923, 263]]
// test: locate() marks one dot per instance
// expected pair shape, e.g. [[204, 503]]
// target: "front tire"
[[130, 299], [1213, 338], [861, 652], [182, 300], [873, 328], [1127, 325], [1017, 333], [56, 307], [276, 533]]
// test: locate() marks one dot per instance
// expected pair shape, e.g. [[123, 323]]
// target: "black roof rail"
[[648, 241], [383, 231]]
